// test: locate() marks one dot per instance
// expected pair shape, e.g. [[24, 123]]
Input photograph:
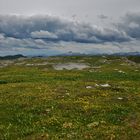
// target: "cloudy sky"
[[35, 27]]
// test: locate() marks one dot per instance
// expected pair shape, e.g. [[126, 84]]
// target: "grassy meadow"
[[98, 102]]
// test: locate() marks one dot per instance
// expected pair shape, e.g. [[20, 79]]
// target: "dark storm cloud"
[[27, 33], [55, 29], [131, 25]]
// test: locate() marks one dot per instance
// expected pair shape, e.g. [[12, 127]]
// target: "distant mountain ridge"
[[11, 57], [128, 54], [115, 54]]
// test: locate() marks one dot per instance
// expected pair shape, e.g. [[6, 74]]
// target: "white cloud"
[[53, 33], [43, 34]]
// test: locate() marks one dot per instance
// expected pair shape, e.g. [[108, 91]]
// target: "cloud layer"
[[131, 25], [42, 32]]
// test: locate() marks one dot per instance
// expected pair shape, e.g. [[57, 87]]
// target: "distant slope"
[[11, 57], [135, 59], [127, 54]]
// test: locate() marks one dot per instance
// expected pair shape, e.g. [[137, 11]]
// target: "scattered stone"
[[97, 85], [96, 67], [120, 98], [121, 71], [37, 64], [48, 110], [91, 71], [104, 61], [94, 124], [29, 64], [103, 56], [88, 87], [67, 93], [41, 64], [105, 85], [19, 64]]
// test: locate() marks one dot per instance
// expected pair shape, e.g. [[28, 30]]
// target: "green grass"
[[40, 103]]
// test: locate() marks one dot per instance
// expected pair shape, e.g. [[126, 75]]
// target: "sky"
[[50, 27]]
